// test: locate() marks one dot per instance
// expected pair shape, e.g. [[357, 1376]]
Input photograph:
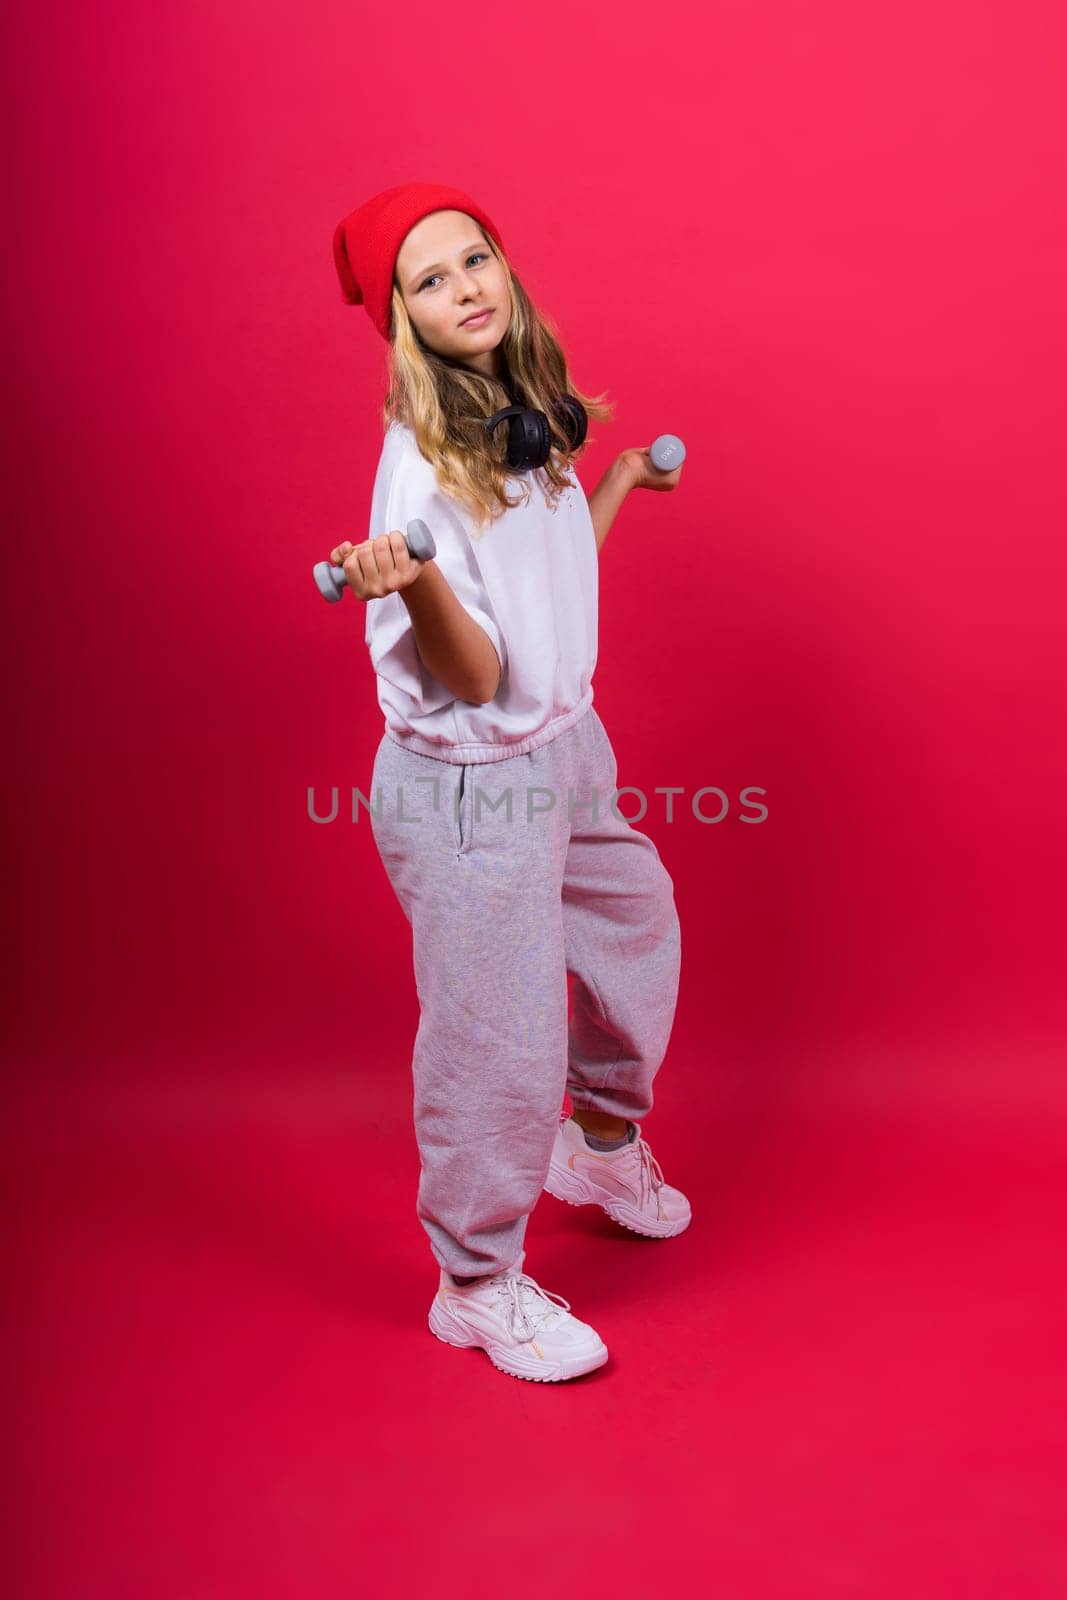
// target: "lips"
[[476, 316]]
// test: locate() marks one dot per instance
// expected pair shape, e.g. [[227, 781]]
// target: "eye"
[[478, 255]]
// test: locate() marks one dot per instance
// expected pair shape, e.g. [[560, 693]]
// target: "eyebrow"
[[425, 273]]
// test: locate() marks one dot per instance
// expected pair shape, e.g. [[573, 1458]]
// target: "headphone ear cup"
[[528, 441], [529, 434], [573, 420]]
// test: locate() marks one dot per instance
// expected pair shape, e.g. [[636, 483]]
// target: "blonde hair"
[[445, 404]]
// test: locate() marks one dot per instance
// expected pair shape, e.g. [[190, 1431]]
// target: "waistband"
[[464, 754]]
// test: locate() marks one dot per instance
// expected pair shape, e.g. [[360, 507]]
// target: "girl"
[[516, 869]]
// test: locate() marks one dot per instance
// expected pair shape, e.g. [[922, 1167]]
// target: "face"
[[447, 272]]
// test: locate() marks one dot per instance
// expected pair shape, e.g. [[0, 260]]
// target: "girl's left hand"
[[643, 474]]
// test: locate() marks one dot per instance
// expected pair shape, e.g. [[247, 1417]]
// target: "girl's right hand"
[[377, 567]]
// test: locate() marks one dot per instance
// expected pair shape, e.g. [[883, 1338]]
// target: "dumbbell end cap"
[[667, 452], [324, 582]]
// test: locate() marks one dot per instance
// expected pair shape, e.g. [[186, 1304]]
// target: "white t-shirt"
[[530, 579]]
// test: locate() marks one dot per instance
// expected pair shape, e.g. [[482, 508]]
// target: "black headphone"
[[530, 436]]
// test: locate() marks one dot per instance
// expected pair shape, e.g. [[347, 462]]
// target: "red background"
[[825, 245]]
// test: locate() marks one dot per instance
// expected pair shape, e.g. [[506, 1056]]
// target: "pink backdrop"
[[825, 245]]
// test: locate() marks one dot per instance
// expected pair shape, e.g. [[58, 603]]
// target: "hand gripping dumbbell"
[[332, 582]]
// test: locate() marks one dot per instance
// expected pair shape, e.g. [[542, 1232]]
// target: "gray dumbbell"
[[332, 582], [667, 452]]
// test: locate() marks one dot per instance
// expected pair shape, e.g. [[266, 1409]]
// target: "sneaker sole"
[[564, 1184], [517, 1363]]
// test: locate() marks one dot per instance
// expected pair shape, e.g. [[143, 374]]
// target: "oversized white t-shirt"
[[530, 579]]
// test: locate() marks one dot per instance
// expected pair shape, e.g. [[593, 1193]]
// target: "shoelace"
[[649, 1172], [518, 1291]]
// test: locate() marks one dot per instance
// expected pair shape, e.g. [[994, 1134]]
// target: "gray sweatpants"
[[515, 873]]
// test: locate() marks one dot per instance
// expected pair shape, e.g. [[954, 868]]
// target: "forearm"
[[451, 645], [607, 497]]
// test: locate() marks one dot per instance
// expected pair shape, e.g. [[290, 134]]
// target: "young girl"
[[498, 832]]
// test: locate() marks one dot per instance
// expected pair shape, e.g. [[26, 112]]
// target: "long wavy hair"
[[445, 404]]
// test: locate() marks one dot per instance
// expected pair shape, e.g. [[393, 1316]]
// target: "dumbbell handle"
[[331, 580]]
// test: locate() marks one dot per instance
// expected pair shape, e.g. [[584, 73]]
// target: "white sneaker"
[[525, 1330], [626, 1183]]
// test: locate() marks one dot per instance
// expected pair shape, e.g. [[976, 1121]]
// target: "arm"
[[608, 496], [452, 646]]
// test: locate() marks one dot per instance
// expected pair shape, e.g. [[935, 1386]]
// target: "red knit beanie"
[[367, 242]]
